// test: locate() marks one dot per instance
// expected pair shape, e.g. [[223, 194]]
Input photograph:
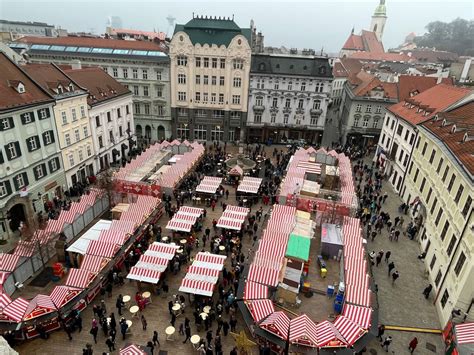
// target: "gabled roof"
[[389, 89], [424, 106], [338, 70], [411, 85], [10, 76], [367, 41], [290, 65], [354, 42], [212, 30], [101, 86], [462, 120]]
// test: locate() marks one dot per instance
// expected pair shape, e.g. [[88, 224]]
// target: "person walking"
[[387, 256], [155, 338], [67, 329], [412, 345], [391, 266], [144, 322], [386, 343], [380, 332], [188, 334], [173, 319], [119, 304], [109, 342], [94, 330], [427, 291], [378, 259], [395, 276]]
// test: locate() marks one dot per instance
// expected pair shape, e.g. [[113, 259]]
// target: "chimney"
[[76, 65]]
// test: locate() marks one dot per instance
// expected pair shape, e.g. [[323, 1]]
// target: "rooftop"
[[429, 55], [11, 76], [290, 65], [422, 107], [101, 86], [380, 56], [26, 23], [152, 35], [411, 85], [367, 41], [455, 128]]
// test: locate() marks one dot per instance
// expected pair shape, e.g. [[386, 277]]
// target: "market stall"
[[233, 218], [331, 241], [203, 274], [209, 184], [249, 185]]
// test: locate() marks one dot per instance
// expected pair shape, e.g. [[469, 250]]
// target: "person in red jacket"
[[412, 345]]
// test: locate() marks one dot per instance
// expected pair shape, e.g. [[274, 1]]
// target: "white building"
[[288, 98], [110, 114]]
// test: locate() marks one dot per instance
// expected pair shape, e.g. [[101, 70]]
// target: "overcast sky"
[[302, 24]]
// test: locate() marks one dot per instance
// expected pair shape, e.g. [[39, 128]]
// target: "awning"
[[144, 275], [260, 309], [360, 315], [132, 349], [79, 278], [152, 262], [5, 300], [26, 249], [263, 275], [210, 261], [303, 331], [202, 274], [39, 306], [107, 250], [16, 310], [464, 333], [298, 247], [277, 323], [327, 335], [8, 262], [236, 171], [162, 250], [63, 294], [197, 287], [179, 226], [349, 330], [94, 263], [255, 291]]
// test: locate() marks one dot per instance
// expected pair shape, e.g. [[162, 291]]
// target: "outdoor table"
[[134, 310], [195, 339], [179, 251], [126, 299], [147, 295], [198, 200], [129, 323], [219, 164], [164, 239], [221, 248], [183, 241], [204, 315], [176, 307], [169, 333], [206, 309]]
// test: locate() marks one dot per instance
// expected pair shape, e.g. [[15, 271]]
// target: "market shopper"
[[413, 344]]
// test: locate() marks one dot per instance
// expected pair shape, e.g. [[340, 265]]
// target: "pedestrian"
[[79, 322], [225, 327], [386, 343], [397, 221], [113, 323], [94, 331], [412, 345], [378, 259], [209, 337], [170, 307], [387, 256], [123, 328], [113, 334], [401, 221], [144, 323], [109, 342], [427, 291], [150, 346], [155, 338], [103, 307], [391, 266], [395, 276], [119, 304], [188, 334], [381, 331], [181, 329], [67, 329], [173, 319], [108, 288], [385, 195]]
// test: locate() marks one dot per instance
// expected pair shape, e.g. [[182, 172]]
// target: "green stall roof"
[[298, 247]]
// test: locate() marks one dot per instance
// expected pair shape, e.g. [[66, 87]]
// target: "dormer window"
[[20, 88], [453, 129], [17, 85], [435, 118], [466, 136], [60, 89], [71, 87], [443, 123]]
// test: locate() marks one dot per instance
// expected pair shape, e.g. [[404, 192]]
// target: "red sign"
[[138, 188]]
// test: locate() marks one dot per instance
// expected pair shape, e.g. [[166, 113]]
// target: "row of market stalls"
[[100, 246], [161, 168], [185, 219], [278, 265]]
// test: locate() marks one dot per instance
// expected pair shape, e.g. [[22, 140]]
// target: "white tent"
[[5, 348]]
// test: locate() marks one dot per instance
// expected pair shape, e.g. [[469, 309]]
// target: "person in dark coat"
[[94, 331], [109, 342], [155, 338], [427, 291]]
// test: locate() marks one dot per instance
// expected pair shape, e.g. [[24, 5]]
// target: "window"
[[217, 134], [276, 86], [213, 98], [378, 109], [275, 102], [359, 108], [285, 119], [48, 137], [198, 79], [64, 117], [392, 125], [101, 142], [422, 186], [205, 97], [423, 151], [222, 62], [376, 123], [446, 171], [115, 72], [125, 73], [400, 130], [235, 115], [368, 108], [77, 135], [272, 118], [206, 62], [197, 97], [182, 78], [147, 108], [236, 99], [81, 156], [435, 202], [433, 262], [259, 101], [127, 110], [182, 131], [86, 131], [111, 136], [221, 98], [451, 245], [158, 75], [161, 110], [356, 121], [136, 90], [218, 114], [221, 81], [109, 117], [83, 112], [411, 164], [183, 60], [200, 132], [145, 74], [213, 80], [314, 120], [451, 182], [440, 163], [71, 160], [467, 206], [319, 87], [6, 123], [89, 151], [181, 96], [20, 181], [5, 189], [444, 231], [137, 108], [428, 197], [460, 264], [365, 123], [387, 121], [290, 85], [288, 103], [445, 298], [303, 86], [33, 143], [214, 62], [459, 194], [383, 139], [135, 73], [257, 118], [238, 63], [27, 117], [237, 82], [159, 91], [206, 80], [416, 174], [39, 171], [438, 278], [406, 135], [145, 91], [97, 121], [412, 138], [198, 62], [13, 150], [300, 103], [438, 216]]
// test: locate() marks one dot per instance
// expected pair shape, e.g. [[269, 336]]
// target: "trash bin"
[[338, 307], [330, 291], [323, 272]]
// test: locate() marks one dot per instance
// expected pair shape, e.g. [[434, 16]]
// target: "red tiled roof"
[[371, 43], [101, 86], [11, 74], [463, 118], [377, 56], [435, 99], [390, 89], [160, 35], [431, 56], [352, 66], [410, 85], [354, 42], [339, 71], [93, 42]]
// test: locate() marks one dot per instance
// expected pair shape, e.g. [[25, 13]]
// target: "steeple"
[[378, 20]]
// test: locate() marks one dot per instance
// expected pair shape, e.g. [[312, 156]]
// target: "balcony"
[[315, 111], [286, 109], [258, 108]]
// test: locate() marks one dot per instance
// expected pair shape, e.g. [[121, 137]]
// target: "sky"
[[312, 24]]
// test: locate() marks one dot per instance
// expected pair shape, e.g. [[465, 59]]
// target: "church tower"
[[378, 20]]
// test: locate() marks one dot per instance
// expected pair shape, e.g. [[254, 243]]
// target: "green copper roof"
[[212, 31], [381, 9], [298, 247]]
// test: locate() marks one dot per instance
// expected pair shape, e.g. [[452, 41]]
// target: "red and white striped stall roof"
[[197, 287], [184, 217], [263, 275], [255, 291], [113, 236], [8, 262], [354, 269], [152, 263], [202, 274], [144, 275], [234, 215], [303, 331], [237, 209], [162, 250], [107, 250], [132, 349], [260, 309], [228, 223], [63, 294], [309, 167], [326, 333], [464, 333], [359, 315], [250, 185], [3, 277], [193, 211], [209, 184], [16, 310], [179, 226], [277, 323], [125, 226], [79, 278], [358, 296], [5, 300], [94, 263], [26, 249], [348, 329], [38, 306], [272, 247], [209, 259], [55, 225]]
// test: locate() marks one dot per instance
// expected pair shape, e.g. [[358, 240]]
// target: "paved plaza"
[[401, 304]]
